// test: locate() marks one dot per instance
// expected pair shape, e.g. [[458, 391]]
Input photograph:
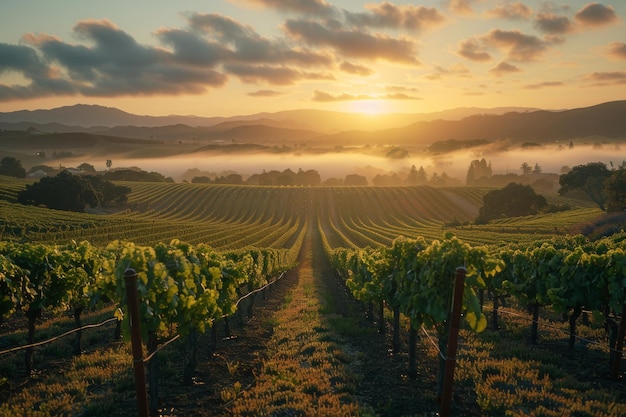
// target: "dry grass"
[[303, 370]]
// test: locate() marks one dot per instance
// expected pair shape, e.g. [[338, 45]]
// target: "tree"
[[85, 167], [537, 169], [309, 177], [477, 170], [72, 192], [355, 179], [616, 191], [416, 177], [385, 180], [526, 169], [201, 180], [589, 179], [107, 192], [514, 200], [12, 167], [422, 177], [62, 192], [411, 178], [109, 163]]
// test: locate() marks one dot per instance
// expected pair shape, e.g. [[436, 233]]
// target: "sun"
[[371, 107]]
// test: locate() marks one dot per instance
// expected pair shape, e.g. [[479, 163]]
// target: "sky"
[[234, 57]]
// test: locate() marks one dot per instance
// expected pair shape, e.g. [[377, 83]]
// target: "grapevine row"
[[180, 285], [568, 274]]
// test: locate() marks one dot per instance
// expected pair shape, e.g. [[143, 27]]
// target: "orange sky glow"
[[222, 58]]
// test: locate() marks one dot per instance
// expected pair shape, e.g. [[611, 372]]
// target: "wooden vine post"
[[615, 374], [455, 320], [130, 280]]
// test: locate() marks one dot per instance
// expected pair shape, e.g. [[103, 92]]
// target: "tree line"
[[605, 187], [312, 177]]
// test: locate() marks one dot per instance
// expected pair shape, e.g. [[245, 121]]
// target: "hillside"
[[82, 117], [227, 216], [604, 120]]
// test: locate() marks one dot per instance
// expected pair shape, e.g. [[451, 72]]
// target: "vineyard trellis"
[[567, 274], [190, 287]]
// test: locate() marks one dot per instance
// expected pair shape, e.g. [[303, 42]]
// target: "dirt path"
[[304, 368], [325, 359], [308, 350]]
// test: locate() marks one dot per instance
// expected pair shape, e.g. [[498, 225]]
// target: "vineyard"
[[232, 217], [202, 252]]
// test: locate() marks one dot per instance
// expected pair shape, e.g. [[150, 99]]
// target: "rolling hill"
[[542, 126]]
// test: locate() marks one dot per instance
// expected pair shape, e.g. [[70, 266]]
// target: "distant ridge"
[[333, 128], [85, 116], [542, 126], [98, 118]]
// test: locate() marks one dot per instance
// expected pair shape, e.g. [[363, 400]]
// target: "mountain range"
[[604, 120], [81, 116]]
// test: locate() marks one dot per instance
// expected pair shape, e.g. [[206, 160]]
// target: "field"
[[233, 217], [309, 348]]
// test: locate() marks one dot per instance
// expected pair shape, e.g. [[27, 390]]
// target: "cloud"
[[472, 50], [617, 50], [518, 46], [401, 89], [457, 70], [356, 69], [274, 75], [210, 49], [354, 43], [108, 61], [23, 59], [112, 63], [511, 11], [461, 6], [504, 68], [388, 15], [265, 93], [247, 46], [595, 14], [400, 96], [543, 85], [553, 24], [322, 96], [192, 49], [44, 80], [308, 7], [590, 16], [325, 97], [607, 78]]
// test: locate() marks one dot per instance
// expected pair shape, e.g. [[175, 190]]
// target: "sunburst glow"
[[372, 107]]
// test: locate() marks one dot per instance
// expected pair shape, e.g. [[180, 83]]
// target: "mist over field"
[[550, 158]]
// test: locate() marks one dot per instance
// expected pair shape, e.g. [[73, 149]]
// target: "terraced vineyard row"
[[361, 217], [224, 217], [230, 217]]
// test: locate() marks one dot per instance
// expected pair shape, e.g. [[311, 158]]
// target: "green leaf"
[[477, 324]]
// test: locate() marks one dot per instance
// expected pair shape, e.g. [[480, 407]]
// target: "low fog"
[[550, 158]]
